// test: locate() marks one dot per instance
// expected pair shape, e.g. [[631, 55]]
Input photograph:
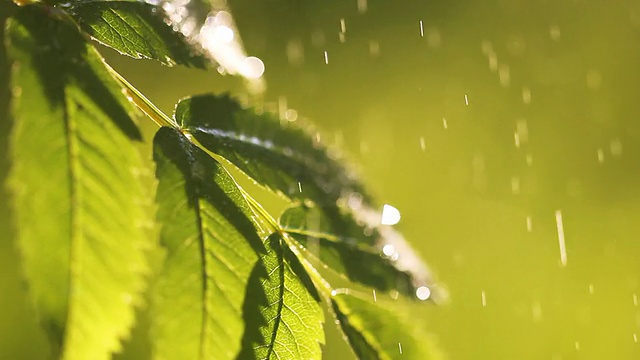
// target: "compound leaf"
[[212, 247], [136, 29], [80, 208]]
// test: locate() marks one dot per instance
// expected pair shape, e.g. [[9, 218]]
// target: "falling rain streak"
[[561, 244]]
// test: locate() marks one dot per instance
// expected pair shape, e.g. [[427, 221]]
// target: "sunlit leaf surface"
[[377, 333], [79, 205], [281, 156], [136, 29], [283, 313], [212, 247]]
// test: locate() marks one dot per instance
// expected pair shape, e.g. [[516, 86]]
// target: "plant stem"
[[144, 104]]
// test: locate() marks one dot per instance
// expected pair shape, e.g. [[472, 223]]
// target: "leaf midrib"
[[74, 204], [281, 291]]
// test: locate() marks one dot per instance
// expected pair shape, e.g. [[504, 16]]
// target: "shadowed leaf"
[[368, 255], [212, 247], [359, 262], [136, 29], [376, 333], [282, 310], [78, 201]]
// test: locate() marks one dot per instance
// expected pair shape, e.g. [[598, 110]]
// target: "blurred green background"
[[479, 128]]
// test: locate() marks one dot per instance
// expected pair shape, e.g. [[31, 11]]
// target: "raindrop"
[[616, 147], [223, 34], [326, 58], [434, 39], [483, 297], [299, 187], [374, 48], [343, 26], [504, 74], [466, 99], [375, 298], [561, 243], [444, 123], [421, 29], [577, 346], [423, 293], [295, 52], [523, 130], [554, 32], [422, 144], [600, 156], [591, 289], [526, 95], [388, 250], [536, 310], [515, 185], [493, 62], [362, 6], [291, 115], [355, 201], [400, 348], [252, 67], [390, 215], [529, 224]]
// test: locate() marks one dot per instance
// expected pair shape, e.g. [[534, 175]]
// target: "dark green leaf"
[[136, 29], [78, 201], [361, 263], [282, 311], [212, 247], [278, 155], [388, 264], [377, 333]]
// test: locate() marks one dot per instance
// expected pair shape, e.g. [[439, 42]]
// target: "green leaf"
[[374, 256], [361, 263], [283, 312], [136, 29], [78, 201], [280, 156], [212, 247], [376, 333], [286, 159]]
